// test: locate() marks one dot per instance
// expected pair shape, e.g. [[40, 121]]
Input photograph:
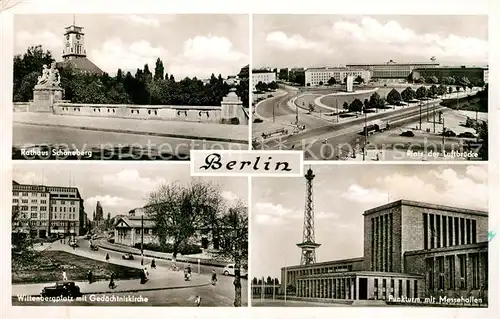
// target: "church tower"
[[74, 42]]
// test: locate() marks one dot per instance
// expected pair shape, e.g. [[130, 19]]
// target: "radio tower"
[[308, 246]]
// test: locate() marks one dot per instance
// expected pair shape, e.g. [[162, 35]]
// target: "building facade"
[[391, 69], [50, 209], [321, 76], [264, 76], [412, 250], [475, 75]]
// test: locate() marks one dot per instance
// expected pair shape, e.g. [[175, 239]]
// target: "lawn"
[[49, 265]]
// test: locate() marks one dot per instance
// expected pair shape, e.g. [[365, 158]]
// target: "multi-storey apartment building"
[[264, 76], [50, 210], [320, 76]]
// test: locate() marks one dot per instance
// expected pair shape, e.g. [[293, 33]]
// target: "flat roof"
[[326, 263], [404, 202], [393, 63]]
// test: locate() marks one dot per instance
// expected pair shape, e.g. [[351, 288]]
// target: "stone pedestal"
[[349, 83], [44, 97], [232, 109]]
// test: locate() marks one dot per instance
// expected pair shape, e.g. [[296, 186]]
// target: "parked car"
[[73, 243], [467, 135], [407, 134], [449, 134], [94, 247], [62, 289], [229, 271], [128, 256]]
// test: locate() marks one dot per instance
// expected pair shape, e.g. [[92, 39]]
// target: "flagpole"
[[286, 282]]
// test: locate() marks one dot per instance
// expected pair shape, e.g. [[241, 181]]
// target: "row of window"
[[30, 194], [63, 209], [446, 276], [443, 231], [37, 215]]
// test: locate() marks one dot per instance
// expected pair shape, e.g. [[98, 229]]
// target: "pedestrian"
[[65, 277], [112, 281], [153, 264], [214, 277], [142, 261], [107, 257], [90, 276], [197, 301]]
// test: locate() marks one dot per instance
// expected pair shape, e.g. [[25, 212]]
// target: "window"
[[43, 208], [433, 231], [25, 194], [468, 230], [24, 201], [463, 271], [474, 231], [430, 273], [43, 201], [34, 215], [426, 234], [137, 231], [15, 200], [438, 231], [462, 231], [15, 193], [400, 290], [445, 232], [392, 287], [475, 270], [440, 264], [375, 287], [451, 271], [34, 201], [34, 208], [63, 202], [408, 289], [415, 289], [457, 240]]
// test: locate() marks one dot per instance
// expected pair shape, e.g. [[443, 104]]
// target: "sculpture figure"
[[45, 75], [55, 78]]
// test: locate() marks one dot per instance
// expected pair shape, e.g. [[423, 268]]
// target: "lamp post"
[[420, 115], [142, 235], [366, 134], [443, 137]]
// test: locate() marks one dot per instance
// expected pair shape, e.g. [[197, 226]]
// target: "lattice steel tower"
[[308, 246]]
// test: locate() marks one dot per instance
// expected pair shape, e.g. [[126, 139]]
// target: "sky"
[[341, 194], [331, 40], [189, 45], [120, 188]]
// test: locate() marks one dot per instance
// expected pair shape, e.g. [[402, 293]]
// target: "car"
[[407, 134], [62, 289], [449, 134], [229, 271], [94, 247], [467, 135], [73, 243], [128, 256]]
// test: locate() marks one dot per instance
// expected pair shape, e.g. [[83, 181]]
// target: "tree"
[[260, 86], [433, 90], [276, 281], [273, 85], [320, 83], [450, 89], [254, 280], [345, 106], [30, 65], [366, 104], [269, 280], [359, 79], [407, 95], [441, 90], [356, 106], [283, 74], [433, 79], [234, 224], [332, 81], [21, 241], [483, 138], [394, 97], [179, 210], [159, 70], [421, 92], [376, 101]]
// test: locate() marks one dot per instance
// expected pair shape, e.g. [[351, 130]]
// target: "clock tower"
[[74, 45]]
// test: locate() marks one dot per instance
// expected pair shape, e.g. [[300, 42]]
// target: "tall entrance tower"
[[74, 44], [308, 245]]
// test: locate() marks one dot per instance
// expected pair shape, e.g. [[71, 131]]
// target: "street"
[[108, 145], [168, 285]]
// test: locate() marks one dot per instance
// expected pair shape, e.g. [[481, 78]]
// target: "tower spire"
[[74, 20], [308, 244]]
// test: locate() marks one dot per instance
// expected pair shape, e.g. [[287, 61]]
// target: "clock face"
[[78, 36], [67, 44]]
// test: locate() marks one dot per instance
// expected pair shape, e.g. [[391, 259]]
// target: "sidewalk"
[[174, 129], [175, 280], [193, 259]]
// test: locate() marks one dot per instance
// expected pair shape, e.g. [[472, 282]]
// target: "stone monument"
[[349, 83], [48, 89], [232, 109]]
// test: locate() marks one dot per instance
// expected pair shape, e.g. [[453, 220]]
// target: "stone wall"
[[22, 106], [202, 114]]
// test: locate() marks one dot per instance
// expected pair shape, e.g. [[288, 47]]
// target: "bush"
[[234, 121], [185, 249]]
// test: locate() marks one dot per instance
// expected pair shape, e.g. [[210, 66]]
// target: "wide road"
[[222, 294], [107, 145], [283, 113]]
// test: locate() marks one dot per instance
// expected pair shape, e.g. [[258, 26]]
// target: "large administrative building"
[[411, 250]]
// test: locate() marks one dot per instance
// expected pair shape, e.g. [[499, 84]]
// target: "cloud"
[[357, 193], [140, 20], [131, 180], [230, 196], [293, 42], [391, 36], [477, 172], [204, 55], [23, 177], [271, 214], [114, 54], [49, 41]]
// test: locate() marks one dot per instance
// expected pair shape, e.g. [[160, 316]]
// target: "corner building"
[[411, 250], [50, 210]]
